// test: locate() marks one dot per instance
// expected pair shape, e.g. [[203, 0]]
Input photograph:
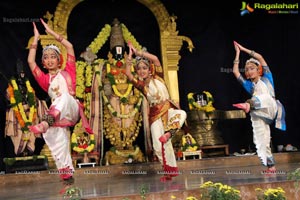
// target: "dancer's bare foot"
[[68, 181], [165, 137], [39, 128], [243, 106], [270, 171], [165, 178], [67, 184]]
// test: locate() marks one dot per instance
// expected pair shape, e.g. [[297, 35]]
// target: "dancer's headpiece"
[[56, 51], [141, 58], [257, 63]]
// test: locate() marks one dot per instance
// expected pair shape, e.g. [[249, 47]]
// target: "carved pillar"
[[171, 43]]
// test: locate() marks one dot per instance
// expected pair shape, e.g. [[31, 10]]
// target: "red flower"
[[114, 71], [179, 154], [88, 89], [119, 63], [84, 146]]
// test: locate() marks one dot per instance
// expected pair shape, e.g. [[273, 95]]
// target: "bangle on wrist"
[[60, 38], [33, 46], [236, 61], [252, 53]]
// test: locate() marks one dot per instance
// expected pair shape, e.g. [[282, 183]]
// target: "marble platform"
[[125, 182]]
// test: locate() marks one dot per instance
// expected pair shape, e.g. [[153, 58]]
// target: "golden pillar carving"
[[170, 42]]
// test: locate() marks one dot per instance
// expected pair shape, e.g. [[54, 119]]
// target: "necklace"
[[112, 81], [119, 115], [15, 98]]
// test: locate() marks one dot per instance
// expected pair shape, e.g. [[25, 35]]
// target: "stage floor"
[[119, 182]]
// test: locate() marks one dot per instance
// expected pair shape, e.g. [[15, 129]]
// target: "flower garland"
[[128, 37], [98, 71], [112, 129], [15, 98], [82, 142], [104, 34], [111, 78], [84, 78], [123, 97], [189, 146], [95, 46], [193, 105], [101, 38], [123, 116]]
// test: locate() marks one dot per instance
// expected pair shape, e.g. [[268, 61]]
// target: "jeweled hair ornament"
[[56, 51], [252, 60], [51, 46], [141, 58], [257, 63]]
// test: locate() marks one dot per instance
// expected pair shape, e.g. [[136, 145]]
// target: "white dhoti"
[[65, 108], [68, 108], [57, 137], [263, 114], [58, 141], [166, 153]]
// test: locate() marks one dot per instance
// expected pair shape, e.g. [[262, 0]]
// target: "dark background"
[[211, 26]]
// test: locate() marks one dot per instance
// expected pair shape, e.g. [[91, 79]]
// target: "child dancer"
[[165, 118], [65, 109], [262, 105]]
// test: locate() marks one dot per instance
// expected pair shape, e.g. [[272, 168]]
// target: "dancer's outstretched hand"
[[47, 28], [131, 48], [35, 31], [236, 46]]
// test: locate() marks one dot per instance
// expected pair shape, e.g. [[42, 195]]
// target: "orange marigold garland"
[[15, 98]]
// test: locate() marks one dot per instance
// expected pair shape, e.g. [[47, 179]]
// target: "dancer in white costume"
[[165, 117], [263, 107], [65, 110]]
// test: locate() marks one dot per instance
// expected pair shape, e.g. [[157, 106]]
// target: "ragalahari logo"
[[246, 9]]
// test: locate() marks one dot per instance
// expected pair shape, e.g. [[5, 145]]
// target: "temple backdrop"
[[212, 27]]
